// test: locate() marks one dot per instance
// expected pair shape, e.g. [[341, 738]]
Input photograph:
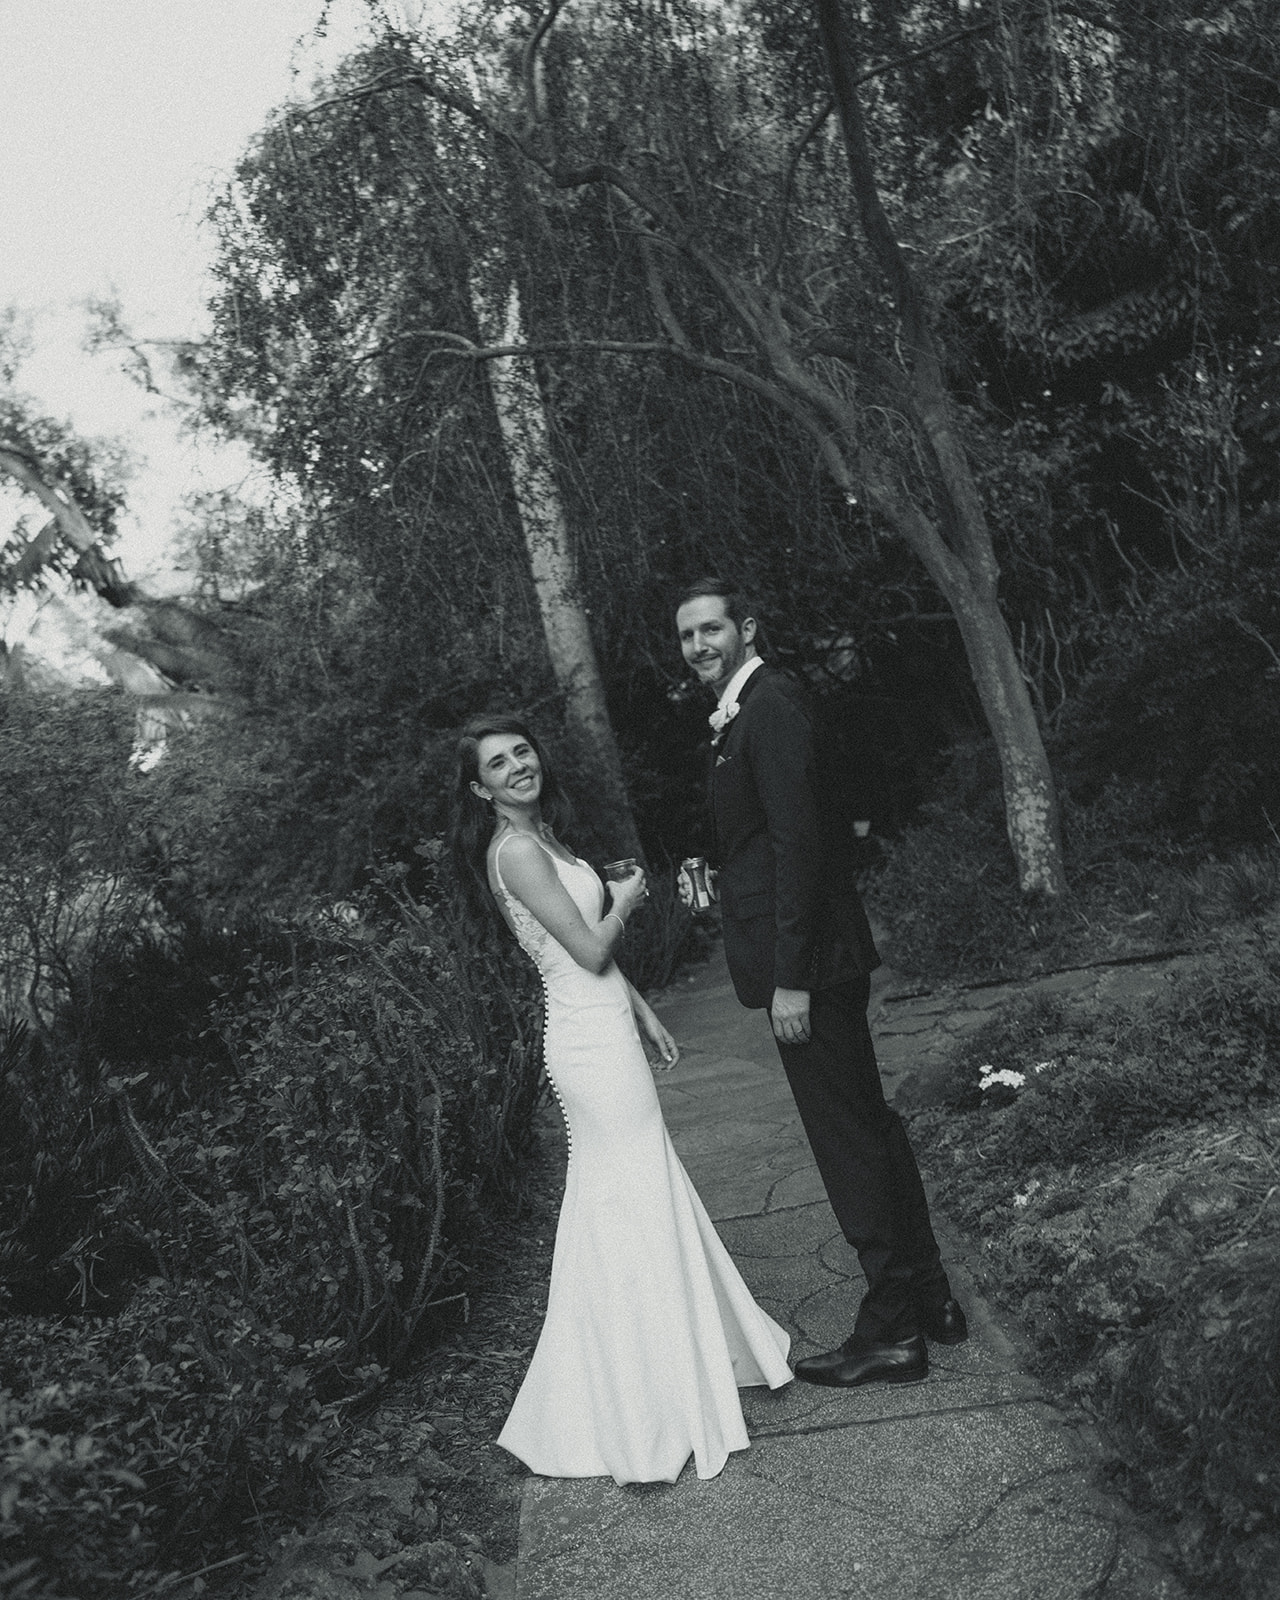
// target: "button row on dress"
[[568, 1131]]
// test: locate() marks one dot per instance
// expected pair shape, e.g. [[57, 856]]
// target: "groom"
[[798, 945]]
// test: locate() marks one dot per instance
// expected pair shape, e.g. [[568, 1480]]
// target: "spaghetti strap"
[[497, 854]]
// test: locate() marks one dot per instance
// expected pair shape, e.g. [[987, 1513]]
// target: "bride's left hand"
[[668, 1050]]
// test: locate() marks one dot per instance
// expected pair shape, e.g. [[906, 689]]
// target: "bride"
[[650, 1330]]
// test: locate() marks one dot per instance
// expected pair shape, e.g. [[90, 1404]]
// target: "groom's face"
[[711, 642]]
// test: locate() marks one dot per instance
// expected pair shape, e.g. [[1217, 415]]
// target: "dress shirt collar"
[[733, 688]]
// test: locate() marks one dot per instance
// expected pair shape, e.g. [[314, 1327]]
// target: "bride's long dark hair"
[[471, 818]]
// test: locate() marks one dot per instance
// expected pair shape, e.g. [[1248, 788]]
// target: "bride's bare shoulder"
[[518, 850]]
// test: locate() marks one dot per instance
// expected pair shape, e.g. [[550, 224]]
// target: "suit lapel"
[[724, 747]]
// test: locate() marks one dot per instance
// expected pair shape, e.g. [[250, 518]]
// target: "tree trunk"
[[954, 543], [967, 570], [522, 418], [1030, 796]]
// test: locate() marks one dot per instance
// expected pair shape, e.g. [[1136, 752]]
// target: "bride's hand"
[[658, 1036], [629, 892]]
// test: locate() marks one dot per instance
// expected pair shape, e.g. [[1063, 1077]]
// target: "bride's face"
[[510, 774]]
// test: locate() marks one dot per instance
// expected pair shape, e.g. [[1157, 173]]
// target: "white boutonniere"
[[722, 716]]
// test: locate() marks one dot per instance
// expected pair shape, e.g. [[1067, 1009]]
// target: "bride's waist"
[[573, 985]]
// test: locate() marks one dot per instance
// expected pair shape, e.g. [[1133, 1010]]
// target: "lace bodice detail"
[[533, 938], [530, 934]]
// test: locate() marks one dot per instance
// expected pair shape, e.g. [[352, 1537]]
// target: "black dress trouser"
[[867, 1166]]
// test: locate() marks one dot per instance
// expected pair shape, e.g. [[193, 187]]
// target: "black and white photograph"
[[640, 800]]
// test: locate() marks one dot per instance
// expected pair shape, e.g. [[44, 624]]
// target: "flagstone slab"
[[802, 1186]]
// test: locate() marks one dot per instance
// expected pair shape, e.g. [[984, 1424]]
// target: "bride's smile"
[[509, 771]]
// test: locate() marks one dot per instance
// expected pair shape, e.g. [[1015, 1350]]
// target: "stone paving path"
[[972, 1486]]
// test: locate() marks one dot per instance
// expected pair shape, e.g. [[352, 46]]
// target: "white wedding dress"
[[650, 1330]]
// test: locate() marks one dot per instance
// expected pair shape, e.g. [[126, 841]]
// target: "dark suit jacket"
[[793, 918]]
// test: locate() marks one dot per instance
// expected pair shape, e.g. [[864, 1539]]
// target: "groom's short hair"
[[737, 606]]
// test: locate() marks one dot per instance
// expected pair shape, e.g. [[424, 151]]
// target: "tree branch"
[[36, 553], [930, 395], [606, 173], [658, 296], [925, 50], [69, 523], [529, 66], [426, 83], [742, 377], [472, 351], [884, 68], [793, 166], [72, 522], [1256, 634], [392, 78]]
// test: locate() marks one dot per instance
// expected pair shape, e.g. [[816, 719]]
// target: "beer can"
[[694, 871]]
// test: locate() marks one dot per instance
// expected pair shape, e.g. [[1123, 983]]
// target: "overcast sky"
[[118, 118]]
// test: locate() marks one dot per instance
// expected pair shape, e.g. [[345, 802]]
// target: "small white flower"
[[1024, 1198], [1008, 1078]]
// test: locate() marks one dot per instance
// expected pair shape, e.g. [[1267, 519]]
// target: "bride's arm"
[[650, 1026], [529, 874]]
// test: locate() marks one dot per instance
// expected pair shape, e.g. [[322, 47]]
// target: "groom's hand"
[[685, 889], [790, 1015]]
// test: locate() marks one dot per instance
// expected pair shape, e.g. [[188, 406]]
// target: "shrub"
[[1124, 1193], [130, 1441], [379, 1098], [63, 1152], [307, 1216], [1196, 1409], [1210, 1047], [60, 1155], [949, 895], [1244, 886], [1184, 698]]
